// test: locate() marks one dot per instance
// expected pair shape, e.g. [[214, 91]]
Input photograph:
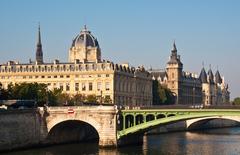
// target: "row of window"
[[54, 68], [54, 76], [82, 86]]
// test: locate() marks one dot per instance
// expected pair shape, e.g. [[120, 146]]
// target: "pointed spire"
[[174, 50], [218, 78], [39, 35], [210, 75], [174, 57], [203, 76], [39, 53], [174, 46], [85, 28]]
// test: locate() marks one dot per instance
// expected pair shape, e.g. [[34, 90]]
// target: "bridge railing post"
[[124, 122], [144, 118], [134, 120]]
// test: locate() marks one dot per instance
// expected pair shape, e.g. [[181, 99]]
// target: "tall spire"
[[39, 35], [174, 51], [39, 53], [174, 57], [174, 46]]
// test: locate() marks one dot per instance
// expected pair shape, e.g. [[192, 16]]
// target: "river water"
[[224, 141]]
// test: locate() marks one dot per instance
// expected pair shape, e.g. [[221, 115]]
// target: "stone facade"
[[214, 89], [188, 87], [185, 86], [85, 73]]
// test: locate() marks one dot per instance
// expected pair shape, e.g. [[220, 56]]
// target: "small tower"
[[212, 88], [205, 87], [174, 72], [39, 53], [218, 89]]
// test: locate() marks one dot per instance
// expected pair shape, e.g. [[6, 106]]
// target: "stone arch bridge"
[[113, 127]]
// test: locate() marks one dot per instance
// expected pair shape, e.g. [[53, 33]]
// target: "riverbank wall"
[[20, 129]]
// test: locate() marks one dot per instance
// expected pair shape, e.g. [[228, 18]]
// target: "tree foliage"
[[40, 93], [161, 94], [91, 98], [236, 101]]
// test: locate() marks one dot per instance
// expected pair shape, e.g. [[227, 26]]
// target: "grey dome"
[[85, 39]]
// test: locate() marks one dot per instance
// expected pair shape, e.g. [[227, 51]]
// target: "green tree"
[[3, 93], [28, 91], [161, 94], [91, 98], [155, 91], [236, 101], [107, 99], [53, 97], [64, 99], [78, 99]]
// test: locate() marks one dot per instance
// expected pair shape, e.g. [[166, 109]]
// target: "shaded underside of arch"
[[72, 131], [212, 122]]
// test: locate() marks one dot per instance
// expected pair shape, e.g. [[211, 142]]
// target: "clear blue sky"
[[136, 31]]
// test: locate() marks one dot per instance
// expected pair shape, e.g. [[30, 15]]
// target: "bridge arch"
[[173, 116], [150, 117], [139, 119], [129, 120], [195, 123], [159, 116], [72, 131]]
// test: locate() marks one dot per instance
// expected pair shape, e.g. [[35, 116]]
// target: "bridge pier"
[[131, 139]]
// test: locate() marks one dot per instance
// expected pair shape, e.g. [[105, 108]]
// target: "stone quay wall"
[[19, 129]]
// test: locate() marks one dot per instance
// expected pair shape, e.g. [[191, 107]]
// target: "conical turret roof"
[[210, 76], [218, 78], [203, 76]]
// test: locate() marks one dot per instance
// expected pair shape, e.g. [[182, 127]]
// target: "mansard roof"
[[160, 73]]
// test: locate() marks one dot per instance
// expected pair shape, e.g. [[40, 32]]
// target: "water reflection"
[[208, 142]]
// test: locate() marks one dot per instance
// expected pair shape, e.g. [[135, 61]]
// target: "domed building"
[[85, 73]]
